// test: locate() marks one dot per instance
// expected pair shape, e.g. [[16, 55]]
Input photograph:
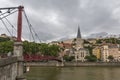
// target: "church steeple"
[[78, 33]]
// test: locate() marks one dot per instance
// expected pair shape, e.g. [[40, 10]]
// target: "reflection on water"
[[73, 73]]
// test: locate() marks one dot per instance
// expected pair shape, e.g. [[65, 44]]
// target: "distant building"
[[68, 41], [97, 52], [3, 35], [80, 52], [66, 48], [110, 49], [54, 43], [13, 38], [92, 40]]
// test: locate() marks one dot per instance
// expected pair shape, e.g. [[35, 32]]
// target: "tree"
[[44, 49], [98, 41], [2, 39], [68, 58], [30, 47], [6, 47], [91, 58], [110, 57], [54, 50], [49, 50], [26, 47]]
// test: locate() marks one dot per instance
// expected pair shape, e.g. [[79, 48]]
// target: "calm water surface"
[[73, 73]]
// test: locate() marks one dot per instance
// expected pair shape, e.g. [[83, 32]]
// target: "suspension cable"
[[31, 28], [2, 15], [13, 27], [8, 14], [36, 34], [11, 24], [6, 27]]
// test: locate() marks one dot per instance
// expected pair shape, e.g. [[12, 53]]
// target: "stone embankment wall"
[[8, 68], [72, 64], [94, 64], [42, 64]]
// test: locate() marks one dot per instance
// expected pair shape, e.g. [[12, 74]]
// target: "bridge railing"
[[7, 61], [29, 58]]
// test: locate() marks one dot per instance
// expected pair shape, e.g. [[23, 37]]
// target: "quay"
[[74, 64]]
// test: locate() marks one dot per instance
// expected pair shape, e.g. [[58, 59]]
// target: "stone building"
[[110, 49], [80, 52]]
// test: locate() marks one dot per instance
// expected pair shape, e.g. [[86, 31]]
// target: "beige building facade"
[[80, 54], [110, 50]]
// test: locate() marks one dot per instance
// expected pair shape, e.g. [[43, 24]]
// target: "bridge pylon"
[[18, 45]]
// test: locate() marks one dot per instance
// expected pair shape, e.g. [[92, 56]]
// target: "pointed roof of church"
[[78, 33]]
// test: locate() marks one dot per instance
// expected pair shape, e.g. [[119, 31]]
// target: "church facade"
[[80, 52]]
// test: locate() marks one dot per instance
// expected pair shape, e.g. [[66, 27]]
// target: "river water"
[[73, 73]]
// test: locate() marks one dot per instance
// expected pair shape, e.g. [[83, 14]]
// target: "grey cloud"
[[56, 18]]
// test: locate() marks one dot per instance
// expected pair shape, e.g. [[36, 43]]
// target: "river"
[[73, 73]]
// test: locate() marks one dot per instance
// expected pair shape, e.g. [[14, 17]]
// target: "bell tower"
[[78, 33], [79, 40]]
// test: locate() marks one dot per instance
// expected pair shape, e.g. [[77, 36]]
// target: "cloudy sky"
[[56, 19]]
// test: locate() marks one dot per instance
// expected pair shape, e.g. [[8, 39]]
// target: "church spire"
[[78, 33]]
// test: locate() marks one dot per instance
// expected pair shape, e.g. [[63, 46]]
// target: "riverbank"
[[73, 64]]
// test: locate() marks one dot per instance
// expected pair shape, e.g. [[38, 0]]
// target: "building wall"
[[97, 52], [79, 43], [8, 69], [112, 50], [104, 53], [115, 53], [81, 54], [68, 41]]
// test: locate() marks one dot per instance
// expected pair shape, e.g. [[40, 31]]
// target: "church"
[[80, 52], [77, 49]]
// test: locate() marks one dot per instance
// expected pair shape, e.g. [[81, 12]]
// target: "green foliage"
[[34, 48], [98, 41], [25, 47], [91, 58], [108, 40], [30, 47], [44, 49], [68, 58], [2, 39], [110, 57], [6, 47], [51, 50], [54, 50]]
